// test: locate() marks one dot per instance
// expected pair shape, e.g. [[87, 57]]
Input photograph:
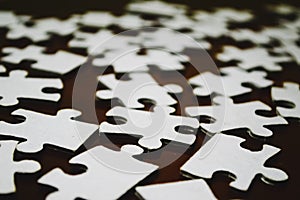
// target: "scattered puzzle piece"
[[61, 62], [191, 189], [9, 167], [17, 85], [251, 58], [39, 129], [155, 7], [109, 174], [152, 126], [7, 18], [224, 153], [164, 39], [127, 62], [228, 116], [97, 19], [140, 86], [41, 28], [290, 93], [229, 84]]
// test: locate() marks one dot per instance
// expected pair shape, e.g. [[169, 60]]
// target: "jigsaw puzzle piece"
[[228, 116], [230, 83], [252, 58], [224, 153], [152, 126], [140, 86], [9, 167], [17, 85], [97, 19], [109, 174], [125, 62], [39, 129], [7, 18], [61, 62], [289, 93], [193, 189]]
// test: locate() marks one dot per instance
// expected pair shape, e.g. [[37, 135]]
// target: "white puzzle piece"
[[129, 21], [61, 62], [132, 62], [152, 126], [230, 83], [228, 116], [103, 41], [164, 39], [289, 93], [191, 189], [39, 129], [253, 57], [155, 7], [7, 18], [97, 19], [42, 27], [18, 85], [9, 167], [224, 153], [109, 174], [215, 24], [140, 86]]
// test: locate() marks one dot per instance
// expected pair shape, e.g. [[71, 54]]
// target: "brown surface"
[[285, 137]]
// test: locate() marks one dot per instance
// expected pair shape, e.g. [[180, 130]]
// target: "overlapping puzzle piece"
[[39, 129], [17, 85], [224, 153], [227, 116], [140, 86], [109, 174], [61, 62], [252, 58], [230, 83], [152, 126]]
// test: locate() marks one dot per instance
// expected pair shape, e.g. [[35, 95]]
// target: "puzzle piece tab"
[[152, 126], [140, 86], [290, 93], [109, 174], [229, 84], [9, 167], [127, 62], [17, 85], [224, 153], [252, 58], [228, 116], [61, 62], [39, 129], [193, 189]]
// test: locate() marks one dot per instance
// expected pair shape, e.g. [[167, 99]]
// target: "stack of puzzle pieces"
[[163, 101]]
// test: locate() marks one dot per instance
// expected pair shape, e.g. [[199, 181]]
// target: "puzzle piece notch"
[[140, 86], [130, 61], [18, 85], [9, 167], [252, 58], [61, 62], [290, 93], [109, 174], [224, 153], [229, 116], [229, 84], [152, 126], [39, 129], [193, 189]]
